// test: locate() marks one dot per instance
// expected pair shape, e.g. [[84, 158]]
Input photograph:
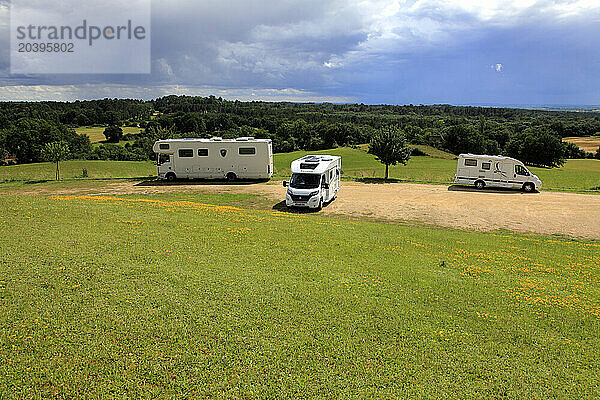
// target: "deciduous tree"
[[388, 145], [113, 134], [55, 152]]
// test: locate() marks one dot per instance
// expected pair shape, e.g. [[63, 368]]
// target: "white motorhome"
[[241, 158], [315, 180], [495, 171]]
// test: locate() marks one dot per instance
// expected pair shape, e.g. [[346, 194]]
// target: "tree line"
[[534, 137]]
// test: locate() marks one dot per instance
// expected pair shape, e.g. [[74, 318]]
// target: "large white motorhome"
[[495, 171], [241, 158], [315, 180]]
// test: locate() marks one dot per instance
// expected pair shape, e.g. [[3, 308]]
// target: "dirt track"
[[576, 215]]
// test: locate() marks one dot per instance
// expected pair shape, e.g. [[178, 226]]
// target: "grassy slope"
[[114, 298], [96, 133]]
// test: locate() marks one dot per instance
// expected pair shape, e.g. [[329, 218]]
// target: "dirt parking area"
[[569, 214]]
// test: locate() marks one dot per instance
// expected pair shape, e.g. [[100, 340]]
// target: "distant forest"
[[530, 135]]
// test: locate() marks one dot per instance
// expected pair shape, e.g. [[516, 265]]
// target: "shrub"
[[573, 151], [415, 151], [113, 134]]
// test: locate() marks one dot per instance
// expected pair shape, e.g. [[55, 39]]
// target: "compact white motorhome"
[[241, 158], [495, 171], [315, 180]]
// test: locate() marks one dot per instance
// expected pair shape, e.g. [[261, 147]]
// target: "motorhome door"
[[503, 172], [325, 191]]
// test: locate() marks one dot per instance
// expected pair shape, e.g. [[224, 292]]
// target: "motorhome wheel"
[[528, 187], [171, 177]]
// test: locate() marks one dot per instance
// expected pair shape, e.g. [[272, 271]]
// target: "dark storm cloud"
[[494, 52]]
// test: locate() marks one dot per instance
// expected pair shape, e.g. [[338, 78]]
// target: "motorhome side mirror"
[[325, 186], [285, 183]]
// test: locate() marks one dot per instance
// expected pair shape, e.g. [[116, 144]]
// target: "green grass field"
[[575, 174], [96, 133], [356, 164], [169, 296]]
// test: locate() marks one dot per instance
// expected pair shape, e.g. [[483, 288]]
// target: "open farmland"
[[587, 143], [96, 133], [137, 296]]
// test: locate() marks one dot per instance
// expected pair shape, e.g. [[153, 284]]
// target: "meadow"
[[357, 164], [96, 133], [195, 296]]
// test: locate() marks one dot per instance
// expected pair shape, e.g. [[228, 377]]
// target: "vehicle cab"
[[164, 159], [522, 176]]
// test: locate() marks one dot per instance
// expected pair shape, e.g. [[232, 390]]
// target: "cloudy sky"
[[494, 52]]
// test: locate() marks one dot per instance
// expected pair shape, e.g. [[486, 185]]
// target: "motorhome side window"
[[520, 170], [469, 162], [186, 153], [202, 152], [247, 151], [486, 165], [163, 146]]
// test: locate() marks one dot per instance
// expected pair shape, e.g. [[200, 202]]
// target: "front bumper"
[[313, 202]]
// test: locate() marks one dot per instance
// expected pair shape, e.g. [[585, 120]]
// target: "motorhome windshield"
[[305, 181], [163, 159]]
